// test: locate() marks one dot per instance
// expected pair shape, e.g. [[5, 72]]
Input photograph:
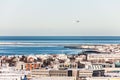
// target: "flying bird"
[[77, 21]]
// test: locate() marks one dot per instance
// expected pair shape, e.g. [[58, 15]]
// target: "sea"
[[35, 45]]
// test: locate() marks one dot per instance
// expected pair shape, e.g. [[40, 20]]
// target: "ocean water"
[[25, 45]]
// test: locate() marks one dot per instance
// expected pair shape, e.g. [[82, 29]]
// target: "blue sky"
[[58, 17]]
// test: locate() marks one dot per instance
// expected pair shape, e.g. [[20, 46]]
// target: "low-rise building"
[[101, 58], [61, 73], [10, 74], [97, 70], [20, 66], [40, 73], [31, 66], [68, 66], [54, 78], [85, 73], [45, 73]]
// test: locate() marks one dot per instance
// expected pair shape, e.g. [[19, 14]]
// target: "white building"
[[105, 57], [11, 74], [54, 78], [103, 78]]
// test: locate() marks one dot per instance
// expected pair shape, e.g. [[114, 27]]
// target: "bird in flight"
[[77, 21]]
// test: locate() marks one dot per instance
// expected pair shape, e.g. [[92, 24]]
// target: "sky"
[[58, 17]]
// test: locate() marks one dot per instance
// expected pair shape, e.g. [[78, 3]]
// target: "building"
[[50, 73], [31, 66], [40, 73], [10, 74], [107, 65], [103, 78], [54, 78], [111, 69], [68, 66], [102, 58], [85, 73], [113, 73], [61, 73], [97, 70], [20, 66]]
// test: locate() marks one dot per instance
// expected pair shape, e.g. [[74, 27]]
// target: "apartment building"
[[54, 78], [97, 70], [51, 73], [40, 73], [85, 73], [103, 57], [61, 73]]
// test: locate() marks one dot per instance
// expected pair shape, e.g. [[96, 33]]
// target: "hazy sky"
[[58, 17]]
